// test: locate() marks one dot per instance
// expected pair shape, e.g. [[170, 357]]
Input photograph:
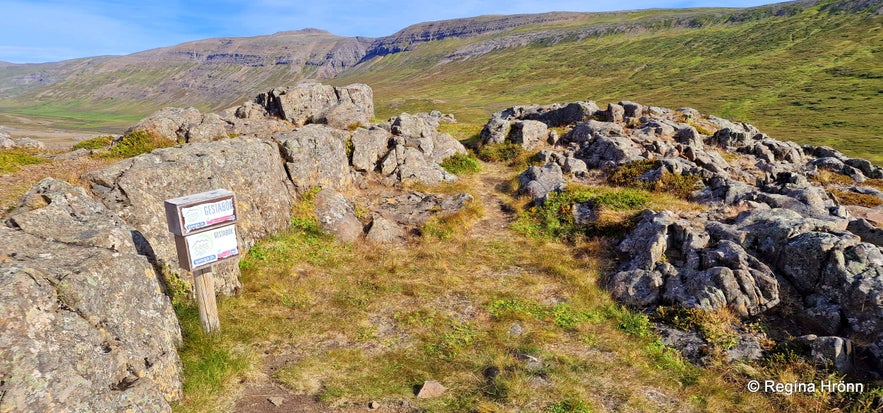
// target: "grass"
[[716, 327], [14, 185], [874, 183], [98, 142], [828, 177], [781, 73], [855, 198], [500, 152], [136, 143], [461, 164], [370, 324], [785, 73], [468, 133], [13, 159], [614, 208], [628, 174], [513, 323]]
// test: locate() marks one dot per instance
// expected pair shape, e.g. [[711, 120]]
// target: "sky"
[[34, 31]]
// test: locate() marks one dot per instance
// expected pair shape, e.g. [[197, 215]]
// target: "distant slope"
[[808, 70], [210, 74]]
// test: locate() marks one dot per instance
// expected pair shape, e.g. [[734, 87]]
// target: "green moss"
[[461, 164], [627, 174], [500, 152], [554, 218], [13, 160], [99, 142], [136, 143]]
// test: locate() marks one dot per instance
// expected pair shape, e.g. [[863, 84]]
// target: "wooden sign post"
[[205, 233]]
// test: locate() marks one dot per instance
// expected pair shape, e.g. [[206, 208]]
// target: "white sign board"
[[211, 246], [205, 215], [200, 212]]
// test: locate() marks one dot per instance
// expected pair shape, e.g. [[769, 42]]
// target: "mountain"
[[212, 73], [803, 70]]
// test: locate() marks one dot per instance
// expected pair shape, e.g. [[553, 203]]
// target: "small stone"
[[431, 389], [491, 372], [516, 329], [539, 381], [276, 401], [373, 405]]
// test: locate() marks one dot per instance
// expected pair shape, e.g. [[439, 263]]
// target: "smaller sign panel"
[[202, 249]]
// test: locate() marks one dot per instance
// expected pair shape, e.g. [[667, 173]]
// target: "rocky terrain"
[[784, 225], [91, 326], [785, 233]]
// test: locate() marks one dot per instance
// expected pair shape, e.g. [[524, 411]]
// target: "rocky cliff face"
[[87, 325], [784, 224], [409, 37]]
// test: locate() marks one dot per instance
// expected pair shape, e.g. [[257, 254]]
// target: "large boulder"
[[86, 324], [385, 231], [420, 131], [537, 182], [529, 133], [6, 141], [409, 164], [413, 209], [210, 127], [315, 155], [684, 263], [317, 103], [336, 215], [496, 130], [29, 143], [170, 123], [136, 188], [369, 145], [607, 151], [568, 114]]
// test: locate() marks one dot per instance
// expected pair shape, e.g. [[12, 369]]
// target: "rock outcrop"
[[339, 107], [792, 232], [315, 155], [87, 325], [136, 188], [268, 172]]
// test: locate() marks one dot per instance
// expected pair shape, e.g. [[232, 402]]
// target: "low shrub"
[[461, 164], [99, 142], [828, 177], [717, 327], [874, 183], [12, 160], [500, 152], [555, 217], [136, 143], [628, 174], [855, 198]]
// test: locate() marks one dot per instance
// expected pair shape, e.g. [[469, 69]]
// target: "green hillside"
[[799, 71], [812, 77]]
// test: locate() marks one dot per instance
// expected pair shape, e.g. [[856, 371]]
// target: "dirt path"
[[497, 213], [261, 393]]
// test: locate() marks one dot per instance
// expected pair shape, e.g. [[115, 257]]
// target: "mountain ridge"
[[213, 74]]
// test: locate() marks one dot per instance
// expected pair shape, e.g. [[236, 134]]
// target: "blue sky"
[[51, 30]]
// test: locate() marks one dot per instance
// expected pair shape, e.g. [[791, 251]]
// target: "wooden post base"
[[204, 283]]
